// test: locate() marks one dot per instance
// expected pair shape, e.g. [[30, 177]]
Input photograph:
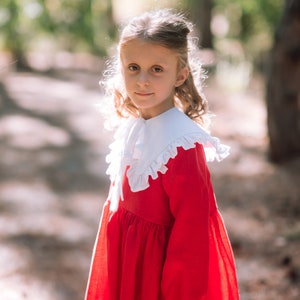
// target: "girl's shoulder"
[[174, 129]]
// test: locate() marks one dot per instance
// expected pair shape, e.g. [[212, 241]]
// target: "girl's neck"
[[147, 114]]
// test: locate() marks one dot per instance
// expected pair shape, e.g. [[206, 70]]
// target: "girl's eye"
[[157, 69], [132, 67]]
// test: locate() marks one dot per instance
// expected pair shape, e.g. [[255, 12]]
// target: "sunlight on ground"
[[50, 95], [42, 240], [28, 133], [52, 184]]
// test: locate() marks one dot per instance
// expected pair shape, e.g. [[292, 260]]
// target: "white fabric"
[[147, 145]]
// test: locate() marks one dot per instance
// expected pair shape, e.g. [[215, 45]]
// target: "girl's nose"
[[143, 79]]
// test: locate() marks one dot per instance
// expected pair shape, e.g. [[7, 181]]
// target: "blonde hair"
[[170, 30]]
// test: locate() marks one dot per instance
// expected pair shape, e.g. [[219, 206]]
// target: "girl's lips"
[[143, 94]]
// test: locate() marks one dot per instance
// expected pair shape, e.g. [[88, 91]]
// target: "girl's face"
[[150, 74]]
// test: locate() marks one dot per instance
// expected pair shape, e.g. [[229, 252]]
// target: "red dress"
[[167, 241]]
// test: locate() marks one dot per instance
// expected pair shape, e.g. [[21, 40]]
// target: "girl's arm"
[[187, 182]]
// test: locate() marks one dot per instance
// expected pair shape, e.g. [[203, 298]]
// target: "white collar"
[[147, 145]]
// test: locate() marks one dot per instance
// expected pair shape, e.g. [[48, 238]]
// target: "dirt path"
[[53, 184]]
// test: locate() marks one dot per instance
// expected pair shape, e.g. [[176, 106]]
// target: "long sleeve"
[[186, 268]]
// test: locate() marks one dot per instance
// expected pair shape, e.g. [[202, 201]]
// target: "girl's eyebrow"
[[127, 59]]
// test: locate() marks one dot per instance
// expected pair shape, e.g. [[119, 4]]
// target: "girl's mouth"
[[143, 94]]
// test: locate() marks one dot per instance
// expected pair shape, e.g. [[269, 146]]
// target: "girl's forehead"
[[138, 48]]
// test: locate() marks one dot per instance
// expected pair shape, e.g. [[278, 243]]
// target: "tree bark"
[[283, 87], [13, 39], [200, 14]]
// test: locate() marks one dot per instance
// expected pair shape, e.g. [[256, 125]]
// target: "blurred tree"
[[283, 86], [251, 22], [76, 24], [201, 14], [13, 35], [44, 19]]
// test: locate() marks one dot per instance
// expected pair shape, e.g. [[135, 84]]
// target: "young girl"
[[161, 236]]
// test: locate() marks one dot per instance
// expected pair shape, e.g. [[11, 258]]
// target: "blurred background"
[[53, 145]]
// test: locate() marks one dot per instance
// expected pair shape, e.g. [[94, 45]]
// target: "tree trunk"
[[283, 87], [200, 12], [13, 39]]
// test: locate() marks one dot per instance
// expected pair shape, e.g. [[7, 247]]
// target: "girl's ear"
[[182, 75]]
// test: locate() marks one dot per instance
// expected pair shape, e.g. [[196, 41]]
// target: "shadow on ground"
[[52, 183]]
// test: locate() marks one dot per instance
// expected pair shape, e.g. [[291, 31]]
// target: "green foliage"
[[76, 23], [72, 25], [251, 21], [13, 35]]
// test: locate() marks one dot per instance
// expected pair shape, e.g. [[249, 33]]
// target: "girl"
[[161, 236]]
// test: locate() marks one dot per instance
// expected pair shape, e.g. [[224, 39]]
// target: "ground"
[[53, 185]]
